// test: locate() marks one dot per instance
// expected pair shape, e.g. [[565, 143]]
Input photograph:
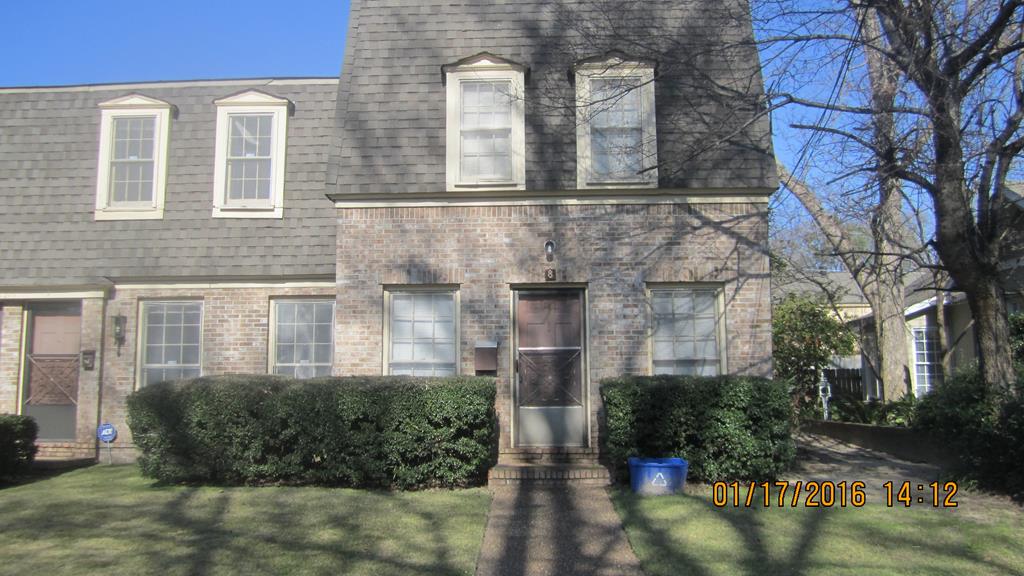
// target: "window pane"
[[422, 332], [685, 332], [303, 344], [616, 129], [250, 163], [927, 360], [173, 337], [486, 131], [132, 163]]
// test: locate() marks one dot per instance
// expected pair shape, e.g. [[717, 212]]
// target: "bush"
[[982, 427], [726, 427], [805, 337], [17, 444], [388, 432], [849, 407]]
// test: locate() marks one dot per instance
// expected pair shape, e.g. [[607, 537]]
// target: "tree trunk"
[[891, 341], [992, 332]]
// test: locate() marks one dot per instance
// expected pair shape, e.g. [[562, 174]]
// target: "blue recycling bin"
[[657, 476]]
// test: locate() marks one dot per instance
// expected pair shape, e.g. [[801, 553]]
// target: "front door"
[[550, 391], [50, 388]]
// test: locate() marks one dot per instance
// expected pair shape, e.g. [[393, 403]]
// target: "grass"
[[687, 535], [110, 520]]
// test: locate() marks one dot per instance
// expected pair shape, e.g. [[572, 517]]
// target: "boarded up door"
[[50, 393], [550, 385]]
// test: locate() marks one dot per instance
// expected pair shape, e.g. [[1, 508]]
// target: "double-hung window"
[[171, 337], [485, 124], [250, 156], [686, 336], [615, 135], [132, 169], [422, 333], [927, 361], [303, 338]]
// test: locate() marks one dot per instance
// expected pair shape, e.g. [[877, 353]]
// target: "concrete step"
[[580, 474]]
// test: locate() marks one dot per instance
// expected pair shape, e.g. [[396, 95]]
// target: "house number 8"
[[549, 274]]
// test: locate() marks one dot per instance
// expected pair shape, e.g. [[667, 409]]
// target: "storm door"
[[50, 389], [550, 394]]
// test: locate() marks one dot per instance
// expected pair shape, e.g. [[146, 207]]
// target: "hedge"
[[982, 427], [17, 444], [728, 428], [386, 432]]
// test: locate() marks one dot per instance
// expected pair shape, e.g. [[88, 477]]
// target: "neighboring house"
[[505, 195], [923, 343]]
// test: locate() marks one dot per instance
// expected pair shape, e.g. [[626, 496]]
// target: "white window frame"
[[616, 68], [251, 102], [132, 106], [274, 302], [391, 291], [140, 337], [930, 334], [720, 318], [486, 69]]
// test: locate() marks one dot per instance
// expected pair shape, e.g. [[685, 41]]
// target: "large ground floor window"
[[302, 338], [422, 332], [172, 335], [685, 336]]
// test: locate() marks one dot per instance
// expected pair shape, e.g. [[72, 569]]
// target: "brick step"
[[587, 456], [584, 474]]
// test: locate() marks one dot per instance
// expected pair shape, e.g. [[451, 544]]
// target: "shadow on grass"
[[113, 520], [687, 535]]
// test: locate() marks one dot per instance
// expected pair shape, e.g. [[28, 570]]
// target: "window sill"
[[128, 214], [248, 212], [620, 184], [488, 186]]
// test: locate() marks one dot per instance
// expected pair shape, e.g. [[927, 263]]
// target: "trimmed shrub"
[[727, 427], [981, 425], [385, 432], [17, 444]]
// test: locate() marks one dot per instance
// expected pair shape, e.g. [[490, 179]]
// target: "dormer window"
[[250, 156], [485, 127], [132, 168], [616, 143]]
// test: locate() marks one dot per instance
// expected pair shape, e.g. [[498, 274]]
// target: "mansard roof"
[[49, 142], [391, 106]]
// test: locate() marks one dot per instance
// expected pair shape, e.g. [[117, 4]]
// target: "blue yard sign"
[[106, 433]]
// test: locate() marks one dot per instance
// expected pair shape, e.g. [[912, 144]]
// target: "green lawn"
[[688, 535], [109, 520]]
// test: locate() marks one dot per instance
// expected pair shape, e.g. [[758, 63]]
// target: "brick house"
[[515, 189]]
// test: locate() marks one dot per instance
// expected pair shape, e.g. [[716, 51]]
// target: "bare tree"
[[935, 109], [907, 99]]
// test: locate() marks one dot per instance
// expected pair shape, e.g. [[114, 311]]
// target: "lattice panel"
[[53, 379], [550, 378]]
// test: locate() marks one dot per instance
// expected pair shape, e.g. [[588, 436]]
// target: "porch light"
[[119, 324], [549, 250]]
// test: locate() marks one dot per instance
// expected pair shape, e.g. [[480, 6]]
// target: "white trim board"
[[379, 201], [52, 295], [226, 284]]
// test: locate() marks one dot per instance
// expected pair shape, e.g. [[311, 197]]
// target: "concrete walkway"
[[537, 530]]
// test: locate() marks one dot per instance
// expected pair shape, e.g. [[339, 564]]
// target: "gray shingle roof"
[[391, 135], [48, 155]]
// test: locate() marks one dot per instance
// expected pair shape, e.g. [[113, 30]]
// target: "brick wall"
[[236, 325], [10, 358], [614, 250]]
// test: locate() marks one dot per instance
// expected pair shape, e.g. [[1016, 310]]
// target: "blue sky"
[[54, 42]]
